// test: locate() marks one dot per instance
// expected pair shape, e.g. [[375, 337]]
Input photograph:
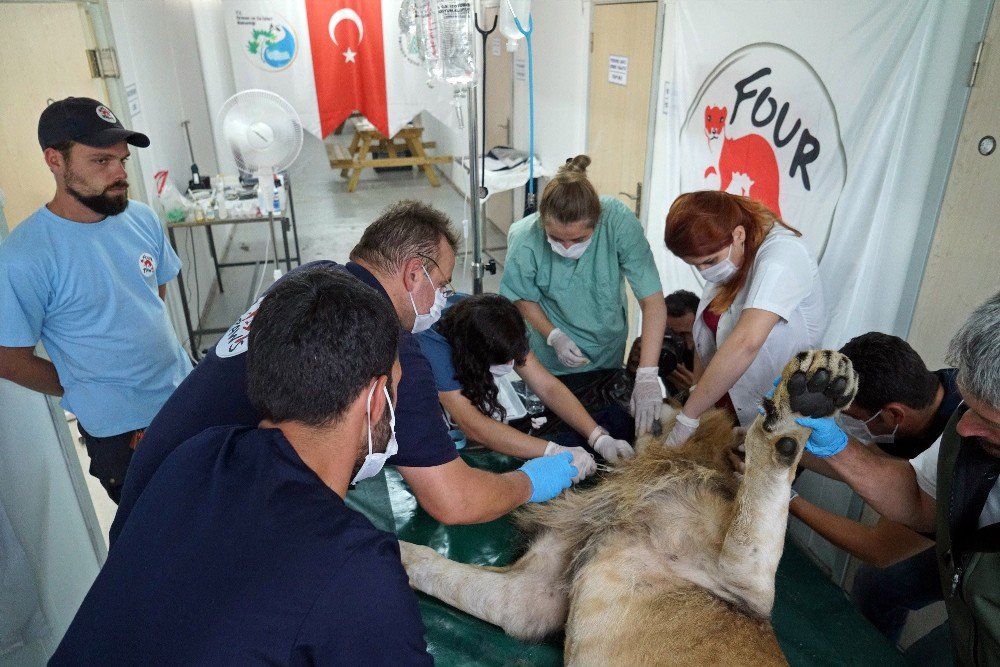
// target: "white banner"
[[269, 45], [269, 49], [831, 113]]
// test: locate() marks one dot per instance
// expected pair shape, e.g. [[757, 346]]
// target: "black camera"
[[673, 352]]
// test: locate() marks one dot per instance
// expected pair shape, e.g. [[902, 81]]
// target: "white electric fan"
[[264, 133]]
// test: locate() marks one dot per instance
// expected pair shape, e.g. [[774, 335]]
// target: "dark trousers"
[[886, 595], [109, 458], [618, 423]]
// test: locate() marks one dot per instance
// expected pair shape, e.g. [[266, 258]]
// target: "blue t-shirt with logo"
[[89, 293], [237, 554]]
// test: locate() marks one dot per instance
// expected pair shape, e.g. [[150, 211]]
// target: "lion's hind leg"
[[815, 384], [528, 598]]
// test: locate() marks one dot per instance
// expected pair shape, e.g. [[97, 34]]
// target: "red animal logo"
[[146, 264], [746, 165]]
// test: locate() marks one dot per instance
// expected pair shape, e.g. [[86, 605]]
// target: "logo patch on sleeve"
[[146, 264], [237, 338]]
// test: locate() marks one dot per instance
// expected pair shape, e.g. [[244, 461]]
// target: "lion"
[[670, 558]]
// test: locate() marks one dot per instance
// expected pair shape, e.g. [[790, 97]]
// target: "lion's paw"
[[816, 383]]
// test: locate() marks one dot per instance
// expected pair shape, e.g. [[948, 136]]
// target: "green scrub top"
[[585, 297]]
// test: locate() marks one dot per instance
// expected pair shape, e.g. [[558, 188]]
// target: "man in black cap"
[[86, 274]]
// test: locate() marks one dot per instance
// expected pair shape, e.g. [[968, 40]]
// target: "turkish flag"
[[348, 61]]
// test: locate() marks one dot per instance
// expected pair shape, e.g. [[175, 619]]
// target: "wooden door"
[[621, 78], [42, 57], [962, 270], [499, 93]]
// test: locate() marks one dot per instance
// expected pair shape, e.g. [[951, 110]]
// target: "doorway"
[[42, 73], [499, 93], [962, 270], [622, 51]]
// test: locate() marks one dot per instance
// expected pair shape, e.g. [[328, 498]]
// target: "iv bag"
[[446, 31], [508, 10]]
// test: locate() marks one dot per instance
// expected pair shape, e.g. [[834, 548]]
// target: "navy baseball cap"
[[84, 121]]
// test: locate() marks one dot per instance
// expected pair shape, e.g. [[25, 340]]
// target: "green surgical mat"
[[814, 621]]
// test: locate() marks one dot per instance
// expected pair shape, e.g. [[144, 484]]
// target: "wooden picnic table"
[[370, 148]]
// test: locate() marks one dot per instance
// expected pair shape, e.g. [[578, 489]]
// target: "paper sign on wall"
[[132, 95], [495, 46], [520, 69], [618, 70]]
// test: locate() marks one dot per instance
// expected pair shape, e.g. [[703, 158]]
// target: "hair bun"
[[578, 164]]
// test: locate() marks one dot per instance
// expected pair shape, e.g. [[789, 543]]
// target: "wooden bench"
[[367, 143]]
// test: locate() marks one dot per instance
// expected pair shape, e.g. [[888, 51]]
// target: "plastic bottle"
[[508, 9], [276, 201], [220, 197]]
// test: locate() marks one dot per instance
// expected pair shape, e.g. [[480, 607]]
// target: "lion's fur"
[[668, 559], [676, 478]]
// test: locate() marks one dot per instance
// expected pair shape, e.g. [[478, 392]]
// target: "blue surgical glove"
[[770, 393], [549, 475], [826, 438]]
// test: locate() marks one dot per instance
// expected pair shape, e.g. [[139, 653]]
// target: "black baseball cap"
[[84, 121]]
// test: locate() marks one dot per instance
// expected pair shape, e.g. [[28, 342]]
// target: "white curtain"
[[844, 107]]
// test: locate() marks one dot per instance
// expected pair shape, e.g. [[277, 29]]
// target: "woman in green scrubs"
[[565, 271]]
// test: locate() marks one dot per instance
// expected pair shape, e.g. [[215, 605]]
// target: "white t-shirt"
[[925, 465], [783, 280]]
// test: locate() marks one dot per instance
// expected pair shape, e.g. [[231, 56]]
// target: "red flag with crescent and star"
[[348, 61]]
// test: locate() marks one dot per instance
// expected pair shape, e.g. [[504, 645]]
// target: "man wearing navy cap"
[[86, 274]]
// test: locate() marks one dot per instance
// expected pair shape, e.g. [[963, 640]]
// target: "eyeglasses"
[[446, 290]]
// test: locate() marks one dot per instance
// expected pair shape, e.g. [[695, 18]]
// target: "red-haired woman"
[[763, 301]]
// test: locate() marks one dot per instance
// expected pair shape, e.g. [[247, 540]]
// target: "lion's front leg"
[[815, 384], [528, 599]]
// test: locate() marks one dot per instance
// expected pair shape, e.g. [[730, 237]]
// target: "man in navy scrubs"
[[241, 549], [407, 256]]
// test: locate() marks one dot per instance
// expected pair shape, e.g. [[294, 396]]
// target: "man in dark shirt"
[[901, 408], [950, 488], [241, 549], [407, 256]]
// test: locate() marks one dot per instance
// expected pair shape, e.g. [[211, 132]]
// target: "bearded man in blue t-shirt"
[[86, 274]]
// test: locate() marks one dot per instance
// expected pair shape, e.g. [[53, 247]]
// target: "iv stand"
[[475, 219], [477, 191]]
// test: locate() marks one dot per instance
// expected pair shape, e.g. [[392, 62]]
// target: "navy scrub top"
[[214, 394], [237, 553]]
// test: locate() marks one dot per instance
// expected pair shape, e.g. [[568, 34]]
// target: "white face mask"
[[859, 430], [499, 370], [425, 321], [575, 251], [722, 271], [375, 460]]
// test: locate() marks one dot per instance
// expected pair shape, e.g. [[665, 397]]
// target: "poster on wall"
[[829, 114], [329, 58]]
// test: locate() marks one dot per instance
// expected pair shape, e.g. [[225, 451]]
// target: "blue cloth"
[[437, 350], [214, 394], [237, 553], [89, 292]]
